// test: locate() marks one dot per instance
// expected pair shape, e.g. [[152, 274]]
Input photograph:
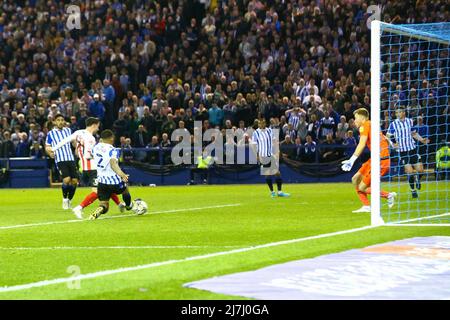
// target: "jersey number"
[[100, 159]]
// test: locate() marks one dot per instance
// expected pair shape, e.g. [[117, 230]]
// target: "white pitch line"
[[418, 219], [118, 216], [115, 247], [418, 225], [169, 262]]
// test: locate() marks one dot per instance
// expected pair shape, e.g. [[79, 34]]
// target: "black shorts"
[[91, 178], [104, 191], [410, 157], [68, 169]]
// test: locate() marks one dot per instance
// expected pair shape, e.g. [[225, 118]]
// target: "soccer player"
[[362, 178], [263, 139], [64, 160], [85, 143], [404, 132], [111, 179]]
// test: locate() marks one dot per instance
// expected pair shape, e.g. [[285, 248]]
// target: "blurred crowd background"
[[146, 68]]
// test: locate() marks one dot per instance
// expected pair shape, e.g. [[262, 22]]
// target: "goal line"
[[408, 222]]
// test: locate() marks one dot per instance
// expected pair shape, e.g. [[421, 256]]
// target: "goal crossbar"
[[438, 32]]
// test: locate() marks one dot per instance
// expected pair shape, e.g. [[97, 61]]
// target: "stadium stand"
[[166, 64]]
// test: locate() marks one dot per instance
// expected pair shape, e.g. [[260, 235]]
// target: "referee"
[[64, 159], [404, 133], [263, 140]]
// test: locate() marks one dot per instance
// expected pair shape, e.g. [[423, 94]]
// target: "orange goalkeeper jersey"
[[364, 130]]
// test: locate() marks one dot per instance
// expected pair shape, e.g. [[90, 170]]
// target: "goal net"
[[410, 68]]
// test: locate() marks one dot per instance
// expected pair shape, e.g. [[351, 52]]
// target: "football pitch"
[[190, 233]]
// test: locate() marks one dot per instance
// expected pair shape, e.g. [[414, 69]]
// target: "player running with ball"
[[362, 179], [111, 179]]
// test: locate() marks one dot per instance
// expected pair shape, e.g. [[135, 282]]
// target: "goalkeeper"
[[362, 178], [443, 162]]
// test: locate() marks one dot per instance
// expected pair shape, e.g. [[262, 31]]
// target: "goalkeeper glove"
[[348, 164]]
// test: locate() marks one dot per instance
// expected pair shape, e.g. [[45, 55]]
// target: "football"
[[140, 206]]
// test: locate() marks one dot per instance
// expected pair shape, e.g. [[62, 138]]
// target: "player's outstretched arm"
[[348, 164], [64, 141], [115, 167]]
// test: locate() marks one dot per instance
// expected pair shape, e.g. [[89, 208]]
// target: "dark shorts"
[[68, 169], [104, 191], [91, 178], [410, 157]]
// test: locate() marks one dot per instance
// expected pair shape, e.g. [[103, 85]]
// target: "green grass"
[[433, 200], [28, 254]]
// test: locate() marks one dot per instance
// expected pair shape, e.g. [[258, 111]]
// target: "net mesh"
[[415, 62]]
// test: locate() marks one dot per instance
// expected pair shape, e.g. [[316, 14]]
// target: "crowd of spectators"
[[146, 68]]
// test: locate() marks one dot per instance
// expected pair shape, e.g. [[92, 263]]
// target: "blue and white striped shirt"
[[402, 132], [304, 92], [54, 137], [264, 141], [103, 153], [328, 122], [328, 84], [294, 119]]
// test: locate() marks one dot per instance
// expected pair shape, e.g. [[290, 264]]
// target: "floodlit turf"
[[42, 242]]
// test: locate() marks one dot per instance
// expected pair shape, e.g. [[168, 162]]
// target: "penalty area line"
[[118, 216], [93, 275]]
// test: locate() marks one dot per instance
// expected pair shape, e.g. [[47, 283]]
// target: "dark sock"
[[419, 176], [65, 190], [279, 182], [411, 182], [269, 183], [72, 190], [104, 209], [127, 199]]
